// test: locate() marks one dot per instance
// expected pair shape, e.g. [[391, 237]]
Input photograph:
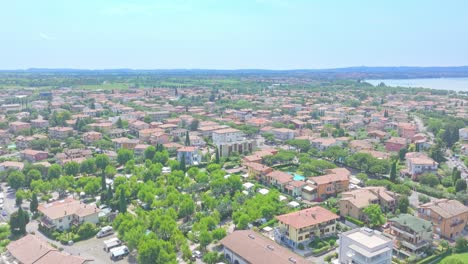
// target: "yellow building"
[[303, 226]]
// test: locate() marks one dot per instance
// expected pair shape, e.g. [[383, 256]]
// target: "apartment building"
[[353, 202], [231, 140], [418, 163], [63, 214], [60, 132], [192, 155], [366, 246], [303, 226], [449, 217], [333, 182], [412, 233]]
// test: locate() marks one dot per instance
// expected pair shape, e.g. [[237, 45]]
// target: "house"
[[136, 126], [124, 142], [406, 130], [33, 249], [92, 136], [463, 134], [11, 165], [278, 178], [353, 202], [17, 126], [250, 247], [323, 143], [77, 155], [418, 163], [332, 183], [283, 134], [366, 246], [230, 140], [395, 143], [159, 138], [304, 226], [191, 154], [139, 149], [412, 233], [63, 214], [449, 217], [60, 132], [39, 123], [257, 170], [33, 155]]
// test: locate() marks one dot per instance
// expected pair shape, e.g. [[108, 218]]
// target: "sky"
[[232, 34]]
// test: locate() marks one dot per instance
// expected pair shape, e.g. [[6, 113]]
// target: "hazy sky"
[[232, 34]]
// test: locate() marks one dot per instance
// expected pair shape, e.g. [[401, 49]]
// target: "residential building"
[[418, 163], [39, 123], [283, 134], [334, 182], [407, 130], [395, 143], [412, 233], [11, 165], [366, 246], [463, 134], [18, 126], [231, 140], [353, 202], [192, 155], [278, 179], [323, 143], [60, 132], [33, 155], [33, 249], [257, 170], [124, 142], [65, 213], [303, 226], [249, 247], [159, 138], [92, 136], [449, 217]]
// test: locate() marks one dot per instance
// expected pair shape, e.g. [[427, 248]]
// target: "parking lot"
[[93, 249]]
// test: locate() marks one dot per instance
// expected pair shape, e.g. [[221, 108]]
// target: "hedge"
[[432, 258], [320, 250], [354, 220]]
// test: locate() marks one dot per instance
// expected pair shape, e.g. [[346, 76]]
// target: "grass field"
[[453, 258]]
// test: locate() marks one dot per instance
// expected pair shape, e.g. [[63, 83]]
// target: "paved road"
[[89, 249]]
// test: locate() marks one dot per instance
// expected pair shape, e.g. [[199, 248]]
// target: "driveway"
[[89, 249]]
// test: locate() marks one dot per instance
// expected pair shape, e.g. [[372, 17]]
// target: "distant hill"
[[340, 73]]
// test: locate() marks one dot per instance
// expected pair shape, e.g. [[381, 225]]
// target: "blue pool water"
[[298, 177]]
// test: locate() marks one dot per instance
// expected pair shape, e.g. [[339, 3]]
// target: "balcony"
[[456, 223], [414, 247], [403, 232]]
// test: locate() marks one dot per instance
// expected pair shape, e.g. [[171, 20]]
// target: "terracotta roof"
[[446, 208], [280, 177], [69, 206], [227, 130], [307, 217], [31, 249], [334, 175], [255, 248]]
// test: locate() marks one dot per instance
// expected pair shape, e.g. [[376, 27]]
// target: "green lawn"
[[452, 258]]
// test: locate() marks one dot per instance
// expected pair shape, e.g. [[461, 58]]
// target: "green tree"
[[402, 153], [152, 250], [18, 222], [33, 175], [110, 171], [393, 173], [122, 202], [54, 171], [16, 179], [88, 166], [34, 203], [119, 123], [124, 155], [374, 215], [403, 204], [205, 238], [211, 257], [460, 185], [194, 125], [72, 168], [456, 175], [187, 139], [429, 179], [102, 161], [150, 152], [217, 156], [461, 245], [183, 167]]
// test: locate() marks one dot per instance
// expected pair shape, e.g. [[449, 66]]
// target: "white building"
[[63, 214], [463, 133], [366, 246], [419, 163], [231, 140]]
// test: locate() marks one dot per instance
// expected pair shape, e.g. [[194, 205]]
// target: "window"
[[299, 238]]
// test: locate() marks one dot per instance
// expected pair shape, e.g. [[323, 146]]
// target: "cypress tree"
[[393, 173], [122, 202], [187, 139], [217, 156], [34, 203]]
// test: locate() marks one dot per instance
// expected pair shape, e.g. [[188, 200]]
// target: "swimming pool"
[[298, 177]]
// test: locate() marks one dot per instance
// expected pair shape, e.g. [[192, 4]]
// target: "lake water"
[[456, 84]]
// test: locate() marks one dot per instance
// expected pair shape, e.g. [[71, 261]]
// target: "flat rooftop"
[[368, 239]]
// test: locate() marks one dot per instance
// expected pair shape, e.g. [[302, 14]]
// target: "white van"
[[111, 243], [105, 231], [119, 253]]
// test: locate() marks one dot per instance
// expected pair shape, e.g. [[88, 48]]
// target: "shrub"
[[354, 220], [300, 246]]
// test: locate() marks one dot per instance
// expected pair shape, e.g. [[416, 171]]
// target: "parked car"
[[105, 231], [119, 253]]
